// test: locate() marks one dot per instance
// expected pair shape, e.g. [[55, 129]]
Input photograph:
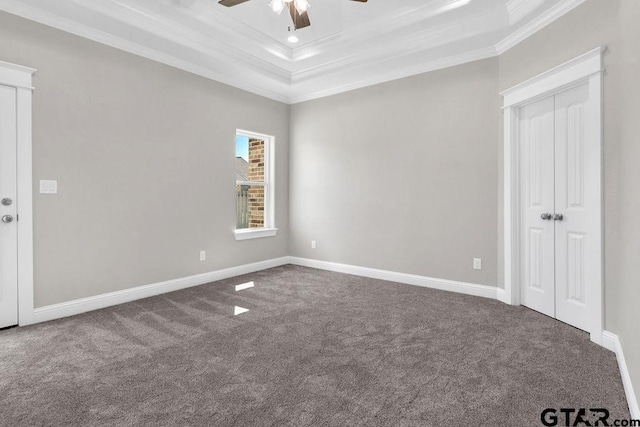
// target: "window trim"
[[269, 229]]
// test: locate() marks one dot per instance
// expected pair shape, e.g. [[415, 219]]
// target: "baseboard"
[[392, 276], [612, 342], [83, 305], [71, 308], [609, 341], [501, 295]]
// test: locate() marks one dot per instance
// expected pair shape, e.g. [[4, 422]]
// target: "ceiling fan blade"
[[361, 1], [230, 3], [299, 21]]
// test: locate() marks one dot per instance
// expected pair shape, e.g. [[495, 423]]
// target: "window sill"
[[255, 233]]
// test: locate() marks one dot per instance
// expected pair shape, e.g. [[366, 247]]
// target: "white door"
[[560, 246], [8, 209], [578, 245], [537, 195]]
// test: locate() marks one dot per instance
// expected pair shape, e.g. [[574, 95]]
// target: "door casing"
[[20, 78], [586, 68]]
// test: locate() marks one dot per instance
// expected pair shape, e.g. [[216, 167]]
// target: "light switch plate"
[[48, 186]]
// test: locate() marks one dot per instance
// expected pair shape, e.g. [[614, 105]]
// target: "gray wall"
[[401, 176], [144, 156], [407, 175], [613, 24]]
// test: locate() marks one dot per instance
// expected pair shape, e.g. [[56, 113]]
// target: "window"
[[254, 186]]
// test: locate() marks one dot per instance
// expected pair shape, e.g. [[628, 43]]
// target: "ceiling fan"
[[297, 9]]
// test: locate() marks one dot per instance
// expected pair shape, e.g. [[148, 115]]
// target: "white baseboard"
[[501, 295], [71, 308], [612, 342], [57, 311], [83, 305], [609, 341], [392, 276]]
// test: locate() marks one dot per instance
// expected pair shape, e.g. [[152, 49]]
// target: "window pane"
[[256, 160], [242, 158], [249, 206], [242, 147]]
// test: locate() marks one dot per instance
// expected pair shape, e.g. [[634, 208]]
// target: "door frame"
[[20, 78], [587, 68]]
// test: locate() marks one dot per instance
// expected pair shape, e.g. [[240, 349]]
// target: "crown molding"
[[204, 41], [166, 29], [381, 28], [556, 11], [409, 45], [46, 18], [211, 25], [520, 9], [395, 74]]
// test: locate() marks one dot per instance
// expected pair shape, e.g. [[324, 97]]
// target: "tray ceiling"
[[348, 45]]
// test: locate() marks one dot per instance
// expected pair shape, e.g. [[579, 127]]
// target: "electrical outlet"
[[203, 255], [313, 244], [477, 264]]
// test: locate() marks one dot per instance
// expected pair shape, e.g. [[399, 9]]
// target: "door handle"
[[558, 217], [546, 216], [7, 219]]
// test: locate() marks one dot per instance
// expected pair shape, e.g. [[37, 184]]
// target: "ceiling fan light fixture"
[[277, 6], [297, 8], [302, 6]]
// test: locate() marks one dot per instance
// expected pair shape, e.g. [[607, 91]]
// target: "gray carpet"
[[316, 348]]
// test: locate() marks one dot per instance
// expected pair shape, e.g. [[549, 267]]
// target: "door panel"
[[8, 231], [537, 191], [577, 248], [575, 274]]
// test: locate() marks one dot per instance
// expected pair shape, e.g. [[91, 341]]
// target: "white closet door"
[[578, 201], [537, 196], [8, 211]]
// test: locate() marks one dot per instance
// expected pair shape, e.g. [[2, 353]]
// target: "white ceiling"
[[348, 45]]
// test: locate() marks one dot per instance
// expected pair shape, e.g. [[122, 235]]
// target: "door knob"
[[7, 219], [7, 201], [558, 217], [546, 216]]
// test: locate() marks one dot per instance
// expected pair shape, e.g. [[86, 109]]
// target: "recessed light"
[[293, 39]]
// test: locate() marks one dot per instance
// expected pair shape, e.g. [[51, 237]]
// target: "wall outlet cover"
[[48, 186]]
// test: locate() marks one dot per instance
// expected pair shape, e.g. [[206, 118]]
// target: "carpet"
[[315, 348]]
